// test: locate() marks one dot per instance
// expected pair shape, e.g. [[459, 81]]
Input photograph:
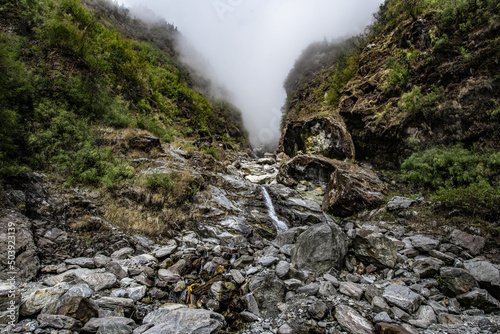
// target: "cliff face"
[[421, 77]]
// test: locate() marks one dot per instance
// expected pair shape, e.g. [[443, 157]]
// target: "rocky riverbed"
[[234, 273]]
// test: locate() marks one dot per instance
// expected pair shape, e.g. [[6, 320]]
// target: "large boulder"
[[317, 135], [37, 300], [458, 280], [268, 290], [402, 297], [15, 231], [352, 189], [487, 274], [309, 167], [96, 279], [375, 248], [189, 321], [320, 248]]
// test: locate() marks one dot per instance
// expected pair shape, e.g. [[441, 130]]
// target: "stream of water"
[[278, 224]]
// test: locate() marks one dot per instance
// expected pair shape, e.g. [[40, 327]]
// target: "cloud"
[[251, 45]]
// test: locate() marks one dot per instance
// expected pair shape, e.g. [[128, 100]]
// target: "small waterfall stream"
[[278, 224]]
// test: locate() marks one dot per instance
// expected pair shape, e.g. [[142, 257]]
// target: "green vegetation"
[[67, 71], [459, 179]]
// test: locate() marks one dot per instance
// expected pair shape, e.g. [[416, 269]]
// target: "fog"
[[251, 45]]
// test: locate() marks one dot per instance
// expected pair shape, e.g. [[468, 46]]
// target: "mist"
[[251, 45]]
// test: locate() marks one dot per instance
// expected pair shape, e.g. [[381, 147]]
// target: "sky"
[[251, 45]]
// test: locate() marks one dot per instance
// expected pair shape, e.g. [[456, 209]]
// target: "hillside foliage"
[[68, 70]]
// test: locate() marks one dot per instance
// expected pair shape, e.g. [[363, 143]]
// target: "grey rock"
[[10, 299], [222, 291], [122, 254], [379, 304], [317, 310], [423, 243], [479, 298], [350, 289], [58, 322], [332, 279], [399, 203], [282, 269], [473, 243], [382, 317], [168, 276], [143, 328], [36, 301], [402, 297], [77, 307], [293, 284], [327, 289], [448, 259], [122, 306], [320, 248], [101, 260], [251, 304], [83, 262], [237, 276], [437, 307], [458, 280], [425, 317], [115, 328], [483, 271], [96, 279], [267, 261], [268, 290], [135, 293], [427, 267], [189, 321], [399, 314], [93, 325], [309, 289], [249, 316], [285, 329], [165, 252], [116, 269], [351, 321], [375, 248], [450, 319]]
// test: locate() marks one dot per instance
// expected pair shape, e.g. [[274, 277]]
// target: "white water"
[[278, 224]]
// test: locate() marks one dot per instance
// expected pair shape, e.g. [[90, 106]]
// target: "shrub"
[[212, 152], [160, 182]]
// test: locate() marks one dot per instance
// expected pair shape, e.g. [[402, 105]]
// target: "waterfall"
[[278, 224]]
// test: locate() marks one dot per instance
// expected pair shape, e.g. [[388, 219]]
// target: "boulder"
[[427, 267], [317, 310], [425, 317], [122, 253], [352, 189], [93, 325], [399, 203], [351, 289], [36, 301], [309, 167], [15, 226], [479, 298], [115, 328], [168, 276], [189, 321], [10, 299], [317, 135], [59, 322], [320, 248], [351, 321], [375, 248], [487, 274], [96, 279], [83, 262], [121, 306], [473, 243], [402, 297], [423, 243], [79, 308], [268, 290], [458, 280]]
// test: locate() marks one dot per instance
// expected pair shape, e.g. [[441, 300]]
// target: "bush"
[[160, 182], [452, 166], [212, 152]]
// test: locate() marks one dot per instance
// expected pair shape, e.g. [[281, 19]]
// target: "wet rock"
[[427, 267], [352, 189], [96, 279], [79, 308], [268, 291], [351, 289], [58, 322], [351, 321], [479, 298], [423, 243], [93, 325], [35, 302], [122, 253], [320, 248], [402, 297], [325, 136], [458, 280], [398, 203], [375, 248], [473, 243], [27, 263], [189, 321]]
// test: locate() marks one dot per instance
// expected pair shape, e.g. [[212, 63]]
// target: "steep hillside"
[[418, 94], [70, 71]]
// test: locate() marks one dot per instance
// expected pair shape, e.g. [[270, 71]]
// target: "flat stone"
[[96, 279], [423, 243], [189, 321], [116, 269], [402, 297], [168, 276], [267, 261], [399, 203], [293, 284], [80, 308], [309, 289], [84, 262], [93, 325], [386, 328], [237, 276], [249, 316], [351, 289], [382, 317], [115, 328], [351, 321], [59, 322], [165, 252], [122, 254]]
